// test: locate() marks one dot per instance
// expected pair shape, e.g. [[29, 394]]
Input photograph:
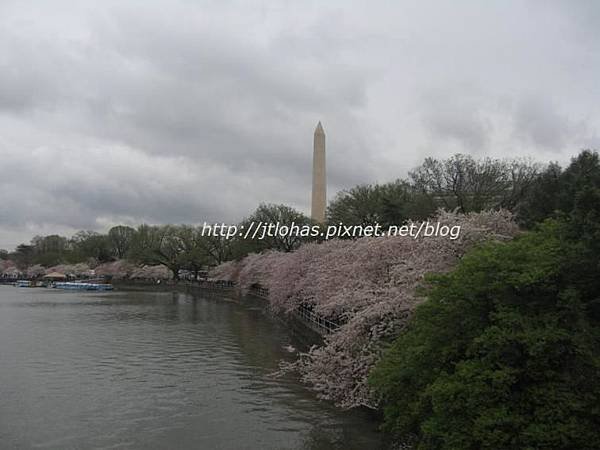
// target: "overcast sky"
[[184, 111]]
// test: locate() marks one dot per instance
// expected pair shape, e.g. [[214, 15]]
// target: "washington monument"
[[319, 177]]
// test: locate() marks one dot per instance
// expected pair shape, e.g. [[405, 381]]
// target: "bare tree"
[[463, 183]]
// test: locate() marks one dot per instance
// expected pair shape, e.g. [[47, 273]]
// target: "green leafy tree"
[[194, 255], [23, 256], [171, 250], [90, 244], [541, 202], [50, 250], [558, 193], [400, 201], [271, 215], [166, 245], [216, 249], [144, 241], [385, 204], [360, 205], [505, 351]]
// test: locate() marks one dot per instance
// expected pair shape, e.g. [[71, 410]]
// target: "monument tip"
[[319, 129]]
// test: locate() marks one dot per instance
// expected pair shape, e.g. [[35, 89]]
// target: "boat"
[[23, 283], [83, 286]]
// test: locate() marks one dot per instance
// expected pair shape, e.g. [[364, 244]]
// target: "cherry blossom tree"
[[367, 285], [73, 270], [117, 270], [35, 271], [156, 272], [8, 269], [227, 271]]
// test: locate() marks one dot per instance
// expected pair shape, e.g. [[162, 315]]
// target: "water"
[[156, 370]]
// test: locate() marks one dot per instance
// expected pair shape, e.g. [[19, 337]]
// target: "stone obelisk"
[[319, 177]]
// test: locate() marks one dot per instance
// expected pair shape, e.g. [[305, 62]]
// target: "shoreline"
[[298, 328]]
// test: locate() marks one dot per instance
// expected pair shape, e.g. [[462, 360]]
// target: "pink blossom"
[[118, 270], [367, 285], [158, 272]]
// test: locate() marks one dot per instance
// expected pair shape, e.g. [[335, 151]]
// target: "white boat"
[[83, 286]]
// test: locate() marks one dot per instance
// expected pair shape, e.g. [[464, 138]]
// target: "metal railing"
[[317, 322], [259, 291], [213, 284], [304, 313]]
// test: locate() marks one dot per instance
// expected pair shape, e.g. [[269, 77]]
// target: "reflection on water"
[[155, 370]]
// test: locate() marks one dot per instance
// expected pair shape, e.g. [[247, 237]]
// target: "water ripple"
[[155, 370]]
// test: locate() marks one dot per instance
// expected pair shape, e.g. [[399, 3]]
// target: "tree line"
[[178, 247], [489, 343], [498, 348], [504, 351], [460, 183]]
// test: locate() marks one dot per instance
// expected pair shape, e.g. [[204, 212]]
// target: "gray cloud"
[[176, 111], [458, 119], [537, 122]]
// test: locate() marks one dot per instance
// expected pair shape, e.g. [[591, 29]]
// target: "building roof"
[[55, 275]]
